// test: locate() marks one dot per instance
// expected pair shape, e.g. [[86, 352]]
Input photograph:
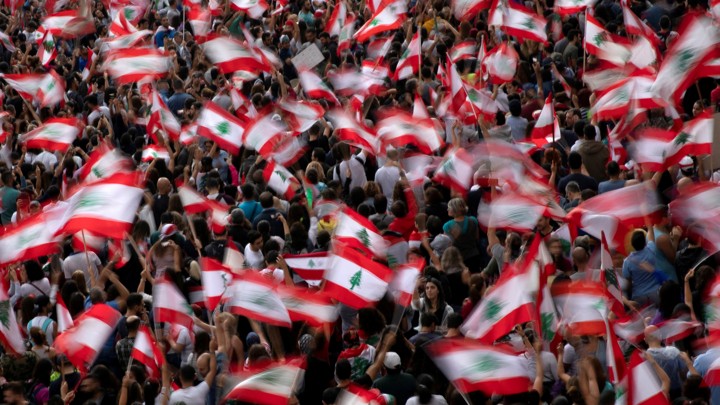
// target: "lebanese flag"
[[501, 63], [348, 129], [263, 133], [10, 334], [47, 52], [545, 122], [673, 330], [358, 232], [274, 385], [290, 150], [64, 319], [56, 134], [104, 161], [614, 357], [650, 148], [631, 328], [215, 280], [463, 50], [152, 152], [465, 10], [83, 342], [309, 266], [456, 170], [389, 18], [346, 34], [471, 366], [58, 22], [7, 42], [559, 77], [253, 8], [398, 128], [218, 219], [120, 25], [614, 103], [192, 201], [698, 209], [712, 376], [482, 102], [583, 306], [231, 55], [161, 118], [105, 208], [353, 279], [695, 138], [409, 63], [169, 305], [200, 20], [88, 64], [48, 88], [315, 308], [523, 23], [356, 395], [92, 242], [635, 26], [715, 9], [221, 127], [301, 115], [378, 48], [509, 303], [687, 54], [280, 180], [125, 41], [146, 351], [254, 296], [516, 212], [457, 88], [644, 386], [404, 281], [136, 64], [233, 259], [337, 19], [314, 87], [645, 53], [601, 43], [566, 7], [118, 246], [32, 237]]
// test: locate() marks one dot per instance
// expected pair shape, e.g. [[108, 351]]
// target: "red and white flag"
[[192, 201], [316, 308], [516, 212], [463, 50], [105, 208], [390, 17], [399, 128], [566, 7], [280, 180], [83, 342], [482, 103], [220, 126], [200, 20], [314, 87], [635, 26], [254, 296], [346, 34], [695, 138], [544, 126], [644, 385], [309, 266], [501, 63], [409, 63], [509, 303], [215, 280], [301, 115], [631, 328], [353, 279], [169, 305], [614, 102], [125, 41], [404, 282], [337, 20], [92, 242], [697, 209], [353, 132], [47, 52], [523, 23], [601, 43], [146, 351], [48, 88], [290, 150], [358, 232], [32, 237], [10, 335], [253, 8], [64, 319], [104, 161], [274, 385], [152, 152], [120, 25], [471, 366], [135, 64], [231, 55], [161, 118], [672, 330], [466, 10], [583, 306], [88, 64], [263, 133], [456, 170], [69, 24], [56, 134]]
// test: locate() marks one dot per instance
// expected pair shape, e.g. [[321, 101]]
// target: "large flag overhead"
[[390, 17], [55, 134], [83, 342], [523, 23], [105, 208], [32, 237], [274, 385], [135, 64], [353, 279], [471, 366], [104, 161]]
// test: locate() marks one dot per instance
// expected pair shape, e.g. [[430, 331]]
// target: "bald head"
[[203, 364], [683, 184], [164, 186], [652, 335]]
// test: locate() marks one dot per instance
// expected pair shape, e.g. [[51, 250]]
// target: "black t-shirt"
[[585, 182]]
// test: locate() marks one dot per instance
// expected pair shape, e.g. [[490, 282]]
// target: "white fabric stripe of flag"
[[341, 270]]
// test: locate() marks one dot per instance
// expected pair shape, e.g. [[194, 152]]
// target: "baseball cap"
[[392, 360]]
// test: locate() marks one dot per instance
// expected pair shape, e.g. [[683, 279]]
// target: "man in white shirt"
[[388, 175], [197, 394]]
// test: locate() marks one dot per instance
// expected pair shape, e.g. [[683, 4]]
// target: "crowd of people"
[[318, 83]]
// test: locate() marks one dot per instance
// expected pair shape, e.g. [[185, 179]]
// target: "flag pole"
[[419, 33], [584, 40], [87, 255]]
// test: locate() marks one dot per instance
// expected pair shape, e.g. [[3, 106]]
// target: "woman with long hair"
[[433, 301]]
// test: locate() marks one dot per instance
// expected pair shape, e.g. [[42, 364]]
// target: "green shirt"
[[8, 203]]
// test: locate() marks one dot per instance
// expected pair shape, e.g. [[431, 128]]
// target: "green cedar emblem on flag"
[[311, 264], [600, 39], [364, 237], [355, 280], [374, 22], [547, 322], [223, 128], [492, 310], [529, 23], [282, 175], [681, 139], [484, 364]]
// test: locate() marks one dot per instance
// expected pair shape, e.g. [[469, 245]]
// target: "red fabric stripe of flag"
[[544, 124], [84, 341], [360, 233], [146, 351], [55, 134], [644, 386], [135, 64], [398, 128], [230, 55], [456, 170], [390, 17], [64, 319], [215, 279], [170, 306], [314, 87], [309, 266], [11, 336], [404, 281], [523, 23], [353, 279], [472, 366], [465, 10], [106, 207], [92, 243], [583, 306], [162, 119], [501, 63], [220, 126], [316, 308], [192, 201], [355, 133], [337, 19], [463, 50], [301, 115], [254, 296]]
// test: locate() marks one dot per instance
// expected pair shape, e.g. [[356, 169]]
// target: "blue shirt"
[[702, 365], [644, 282]]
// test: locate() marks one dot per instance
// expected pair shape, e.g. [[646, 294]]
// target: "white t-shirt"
[[191, 395], [435, 400], [386, 177], [254, 260]]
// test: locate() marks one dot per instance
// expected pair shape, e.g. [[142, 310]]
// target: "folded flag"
[[309, 266]]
